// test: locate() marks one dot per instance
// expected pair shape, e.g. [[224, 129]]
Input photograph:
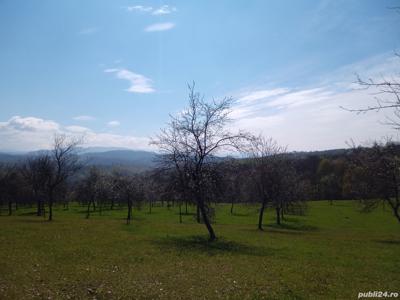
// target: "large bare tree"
[[191, 140]]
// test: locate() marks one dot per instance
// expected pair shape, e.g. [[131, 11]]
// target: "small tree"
[[129, 190], [89, 188], [35, 171], [274, 177], [10, 186]]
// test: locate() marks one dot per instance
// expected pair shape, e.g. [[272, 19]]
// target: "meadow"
[[332, 252]]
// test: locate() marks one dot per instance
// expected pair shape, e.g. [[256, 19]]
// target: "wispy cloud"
[[84, 118], [261, 94], [310, 118], [140, 8], [162, 10], [88, 31], [113, 123], [160, 27], [138, 83]]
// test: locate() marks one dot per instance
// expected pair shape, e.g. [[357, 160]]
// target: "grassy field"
[[331, 252]]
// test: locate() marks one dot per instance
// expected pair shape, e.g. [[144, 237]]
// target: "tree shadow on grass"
[[389, 242], [295, 226], [37, 220], [201, 244], [30, 213], [241, 214]]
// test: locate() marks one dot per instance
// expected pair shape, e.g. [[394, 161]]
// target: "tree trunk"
[[186, 206], [39, 207], [278, 215], [180, 212], [50, 210], [232, 207], [88, 209], [397, 212], [207, 222], [128, 219], [9, 207], [261, 215], [198, 214]]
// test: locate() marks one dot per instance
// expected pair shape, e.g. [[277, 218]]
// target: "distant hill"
[[129, 159], [137, 160], [7, 158], [134, 158]]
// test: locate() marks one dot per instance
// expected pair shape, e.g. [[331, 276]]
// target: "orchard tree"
[[35, 171], [191, 140], [274, 177], [128, 189], [61, 163]]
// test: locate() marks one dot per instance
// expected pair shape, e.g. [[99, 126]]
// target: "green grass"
[[333, 252]]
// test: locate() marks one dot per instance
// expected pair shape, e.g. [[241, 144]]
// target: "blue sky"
[[114, 70]]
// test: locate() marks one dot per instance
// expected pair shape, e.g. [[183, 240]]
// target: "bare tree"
[[264, 152], [274, 177], [10, 186], [128, 189], [63, 162], [191, 140], [34, 171], [88, 189]]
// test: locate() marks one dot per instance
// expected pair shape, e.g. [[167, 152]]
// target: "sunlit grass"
[[334, 251]]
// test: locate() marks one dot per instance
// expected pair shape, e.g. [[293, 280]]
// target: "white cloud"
[[113, 123], [162, 10], [88, 31], [84, 118], [139, 83], [31, 133], [29, 124], [159, 27]]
